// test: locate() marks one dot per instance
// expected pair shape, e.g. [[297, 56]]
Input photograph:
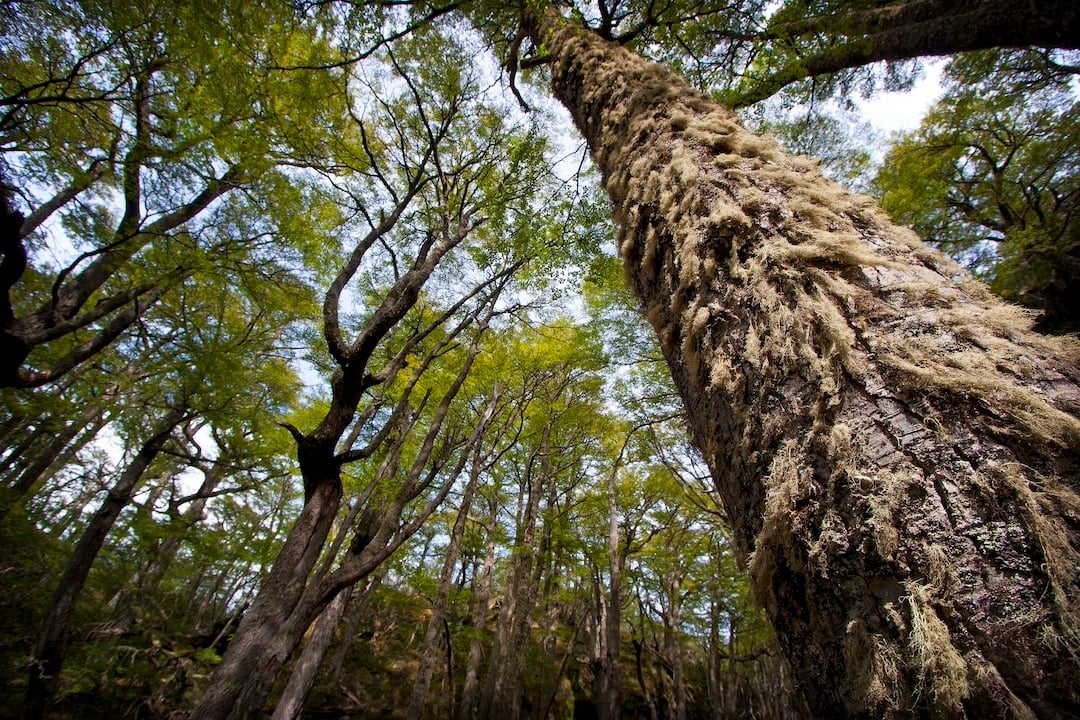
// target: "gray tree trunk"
[[502, 698], [897, 450], [418, 701], [609, 613], [673, 651], [306, 668], [482, 590]]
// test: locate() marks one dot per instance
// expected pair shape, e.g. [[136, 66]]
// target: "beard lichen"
[[788, 308], [785, 490], [874, 666], [942, 669]]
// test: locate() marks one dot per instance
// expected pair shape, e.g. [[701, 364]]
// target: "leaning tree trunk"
[[272, 628], [48, 655], [304, 672], [897, 451]]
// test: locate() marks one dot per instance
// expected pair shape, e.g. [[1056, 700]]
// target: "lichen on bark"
[[897, 450]]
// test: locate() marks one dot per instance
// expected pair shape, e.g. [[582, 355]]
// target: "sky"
[[890, 112]]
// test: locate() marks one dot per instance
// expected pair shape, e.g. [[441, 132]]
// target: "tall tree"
[[437, 168], [895, 449], [483, 457], [48, 655], [195, 375], [834, 369]]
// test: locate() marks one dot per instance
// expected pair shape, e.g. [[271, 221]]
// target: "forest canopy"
[[452, 359]]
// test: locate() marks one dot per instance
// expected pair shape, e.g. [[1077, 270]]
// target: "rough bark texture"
[[275, 624], [897, 451]]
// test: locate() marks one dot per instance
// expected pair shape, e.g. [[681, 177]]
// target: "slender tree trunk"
[[428, 656], [48, 656], [673, 651], [716, 687], [121, 606], [195, 513], [356, 614], [897, 450], [610, 702], [482, 589], [302, 678], [501, 697], [606, 683], [639, 672]]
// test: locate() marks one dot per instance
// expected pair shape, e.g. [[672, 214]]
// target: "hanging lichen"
[[874, 419]]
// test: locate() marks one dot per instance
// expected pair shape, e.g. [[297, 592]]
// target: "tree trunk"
[[502, 696], [356, 614], [673, 652], [482, 590], [268, 635], [48, 656], [306, 668], [897, 450], [194, 514], [430, 653], [639, 672], [611, 701], [607, 680]]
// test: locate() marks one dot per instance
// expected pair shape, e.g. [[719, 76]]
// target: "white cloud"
[[893, 111]]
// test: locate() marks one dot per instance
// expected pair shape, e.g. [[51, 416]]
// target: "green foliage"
[[991, 177], [332, 117]]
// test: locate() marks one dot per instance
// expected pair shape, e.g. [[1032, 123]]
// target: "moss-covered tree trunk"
[[897, 451]]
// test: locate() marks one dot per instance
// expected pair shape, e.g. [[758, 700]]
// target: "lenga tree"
[[896, 448]]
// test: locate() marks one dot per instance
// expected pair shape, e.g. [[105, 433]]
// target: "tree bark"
[[48, 656], [897, 450], [268, 635], [303, 674]]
